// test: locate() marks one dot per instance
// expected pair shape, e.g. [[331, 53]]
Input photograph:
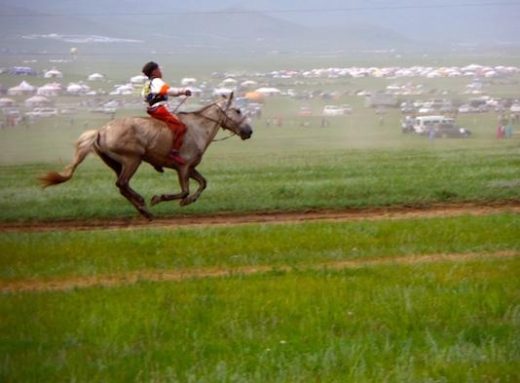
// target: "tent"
[[49, 90], [255, 96], [139, 79], [222, 91], [248, 84], [23, 88], [123, 90], [37, 101], [77, 89], [95, 77], [268, 91], [6, 102], [22, 71], [53, 73], [229, 82], [186, 81]]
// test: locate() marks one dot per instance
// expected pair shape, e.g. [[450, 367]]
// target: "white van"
[[423, 124]]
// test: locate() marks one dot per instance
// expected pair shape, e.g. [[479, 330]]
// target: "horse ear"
[[230, 100]]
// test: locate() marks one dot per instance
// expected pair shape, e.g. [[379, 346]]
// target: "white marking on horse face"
[[240, 123]]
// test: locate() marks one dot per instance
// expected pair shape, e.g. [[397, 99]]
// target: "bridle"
[[223, 120]]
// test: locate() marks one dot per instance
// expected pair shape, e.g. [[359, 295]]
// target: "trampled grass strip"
[[115, 280]]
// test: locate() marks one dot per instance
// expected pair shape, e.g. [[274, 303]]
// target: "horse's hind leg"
[[117, 167], [128, 168], [183, 181]]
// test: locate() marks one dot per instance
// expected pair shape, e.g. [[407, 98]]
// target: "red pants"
[[176, 126]]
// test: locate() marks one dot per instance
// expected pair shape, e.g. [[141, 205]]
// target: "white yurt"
[[187, 81], [268, 91], [23, 88], [248, 84], [53, 73], [228, 82], [50, 90], [35, 101], [95, 77], [123, 90], [77, 89], [139, 79], [6, 102], [222, 91]]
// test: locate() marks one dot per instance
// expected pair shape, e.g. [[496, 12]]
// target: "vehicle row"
[[434, 126]]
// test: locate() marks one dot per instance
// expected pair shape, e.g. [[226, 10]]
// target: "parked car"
[[449, 130], [467, 109], [423, 124], [336, 110], [43, 112]]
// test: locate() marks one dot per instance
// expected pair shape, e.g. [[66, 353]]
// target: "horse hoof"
[[146, 214]]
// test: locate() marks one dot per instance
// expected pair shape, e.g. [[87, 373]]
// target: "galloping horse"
[[126, 142]]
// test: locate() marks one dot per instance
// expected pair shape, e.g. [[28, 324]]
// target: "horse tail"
[[84, 146]]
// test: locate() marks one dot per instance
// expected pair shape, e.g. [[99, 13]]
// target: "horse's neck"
[[203, 126]]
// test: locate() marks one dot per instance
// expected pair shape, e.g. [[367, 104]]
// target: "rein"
[[180, 103], [219, 122], [224, 138]]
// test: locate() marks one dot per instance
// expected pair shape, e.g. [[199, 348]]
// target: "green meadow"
[[434, 321], [403, 313], [279, 169]]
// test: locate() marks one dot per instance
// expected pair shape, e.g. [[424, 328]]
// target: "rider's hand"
[[187, 92]]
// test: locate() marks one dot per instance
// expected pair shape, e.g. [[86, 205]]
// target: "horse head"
[[233, 120]]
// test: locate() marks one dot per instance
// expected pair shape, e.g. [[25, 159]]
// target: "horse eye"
[[238, 111]]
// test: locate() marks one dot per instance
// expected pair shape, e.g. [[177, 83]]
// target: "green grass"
[[61, 254], [276, 181], [433, 322], [439, 322], [357, 161]]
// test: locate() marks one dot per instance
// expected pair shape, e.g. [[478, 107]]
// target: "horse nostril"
[[246, 132]]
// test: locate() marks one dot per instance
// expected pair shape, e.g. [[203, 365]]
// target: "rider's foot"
[[176, 157]]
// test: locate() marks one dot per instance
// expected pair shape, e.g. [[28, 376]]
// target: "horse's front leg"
[[183, 182], [202, 185]]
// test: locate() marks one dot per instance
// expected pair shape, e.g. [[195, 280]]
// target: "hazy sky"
[[442, 20]]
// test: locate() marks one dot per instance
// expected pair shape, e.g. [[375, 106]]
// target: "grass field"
[[433, 321], [385, 300], [355, 162]]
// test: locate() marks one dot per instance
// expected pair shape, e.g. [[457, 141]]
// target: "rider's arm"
[[176, 92]]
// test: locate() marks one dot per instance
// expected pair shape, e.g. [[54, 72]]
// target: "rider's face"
[[157, 73]]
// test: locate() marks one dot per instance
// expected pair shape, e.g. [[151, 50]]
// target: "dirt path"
[[123, 279], [62, 284], [438, 210]]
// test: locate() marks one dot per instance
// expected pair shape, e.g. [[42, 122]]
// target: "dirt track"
[[438, 210], [115, 280], [61, 284]]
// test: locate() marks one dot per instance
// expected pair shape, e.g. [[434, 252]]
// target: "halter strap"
[[220, 122]]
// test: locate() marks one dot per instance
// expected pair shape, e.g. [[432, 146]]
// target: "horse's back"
[[132, 134]]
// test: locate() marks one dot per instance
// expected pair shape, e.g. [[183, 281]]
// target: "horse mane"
[[199, 111]]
